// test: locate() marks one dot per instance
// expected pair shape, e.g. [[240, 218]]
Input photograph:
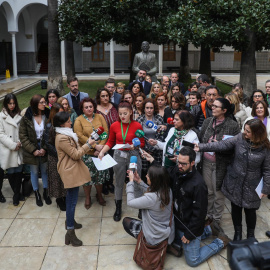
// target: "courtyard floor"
[[32, 237]]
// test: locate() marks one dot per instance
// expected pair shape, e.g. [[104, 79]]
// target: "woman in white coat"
[[177, 137], [10, 145]]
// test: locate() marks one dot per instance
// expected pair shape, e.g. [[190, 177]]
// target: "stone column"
[[160, 60], [111, 59], [63, 58], [14, 54]]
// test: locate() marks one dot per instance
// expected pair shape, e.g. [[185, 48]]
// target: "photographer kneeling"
[[190, 209]]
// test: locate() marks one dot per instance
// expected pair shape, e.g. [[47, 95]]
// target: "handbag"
[[150, 257]]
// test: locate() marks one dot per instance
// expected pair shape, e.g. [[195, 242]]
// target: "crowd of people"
[[194, 148]]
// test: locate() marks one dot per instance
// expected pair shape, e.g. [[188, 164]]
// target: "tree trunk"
[[184, 71], [248, 64], [55, 80], [135, 48], [205, 63], [70, 59]]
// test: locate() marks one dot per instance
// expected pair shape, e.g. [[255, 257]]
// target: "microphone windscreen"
[[100, 130], [136, 142], [103, 136], [133, 159], [149, 123], [170, 121], [139, 133]]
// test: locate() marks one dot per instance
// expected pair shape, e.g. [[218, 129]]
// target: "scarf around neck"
[[179, 134], [68, 132]]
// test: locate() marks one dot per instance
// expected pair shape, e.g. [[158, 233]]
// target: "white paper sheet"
[[106, 162], [259, 188], [121, 146]]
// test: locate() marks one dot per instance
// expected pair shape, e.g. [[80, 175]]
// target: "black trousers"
[[249, 213]]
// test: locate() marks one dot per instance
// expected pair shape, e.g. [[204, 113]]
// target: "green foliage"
[[221, 22], [89, 21]]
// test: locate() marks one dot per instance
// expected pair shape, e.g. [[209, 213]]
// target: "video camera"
[[249, 254]]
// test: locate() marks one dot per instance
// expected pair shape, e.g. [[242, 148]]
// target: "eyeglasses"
[[181, 163], [257, 96], [215, 106]]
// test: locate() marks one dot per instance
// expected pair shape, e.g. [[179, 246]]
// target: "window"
[[169, 53], [98, 52], [237, 56]]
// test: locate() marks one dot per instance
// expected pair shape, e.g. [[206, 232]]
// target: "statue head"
[[145, 46]]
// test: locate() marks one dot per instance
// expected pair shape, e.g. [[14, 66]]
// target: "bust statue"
[[146, 61]]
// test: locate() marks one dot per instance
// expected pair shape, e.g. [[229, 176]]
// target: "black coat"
[[191, 195]]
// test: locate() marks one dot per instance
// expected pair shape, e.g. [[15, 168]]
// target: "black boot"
[[61, 203], [38, 199], [237, 233], [118, 211], [250, 233], [2, 198], [46, 197], [17, 197]]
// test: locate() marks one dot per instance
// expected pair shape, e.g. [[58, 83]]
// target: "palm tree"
[[55, 80]]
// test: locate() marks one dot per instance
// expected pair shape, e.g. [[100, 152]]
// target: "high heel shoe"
[[87, 206], [100, 200]]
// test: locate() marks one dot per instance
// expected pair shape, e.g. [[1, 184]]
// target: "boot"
[[2, 198], [61, 203], [215, 227], [17, 181], [99, 197], [87, 192], [46, 197], [237, 233], [76, 225], [38, 198], [250, 233], [118, 210], [71, 238]]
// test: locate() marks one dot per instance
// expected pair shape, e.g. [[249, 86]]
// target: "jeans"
[[71, 201], [15, 169], [34, 169], [195, 254]]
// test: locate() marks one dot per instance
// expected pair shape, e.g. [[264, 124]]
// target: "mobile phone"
[[169, 156], [186, 143]]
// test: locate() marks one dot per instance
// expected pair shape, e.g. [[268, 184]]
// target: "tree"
[[242, 24], [126, 22], [70, 59], [55, 80]]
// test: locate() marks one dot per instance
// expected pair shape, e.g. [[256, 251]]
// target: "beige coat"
[[71, 168]]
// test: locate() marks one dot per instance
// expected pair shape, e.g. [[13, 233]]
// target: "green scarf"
[[178, 134]]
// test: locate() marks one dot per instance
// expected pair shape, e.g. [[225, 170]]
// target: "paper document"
[[106, 163], [259, 188], [121, 146], [225, 137]]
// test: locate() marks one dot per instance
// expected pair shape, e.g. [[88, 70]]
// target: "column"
[[14, 54], [63, 58], [111, 59], [160, 60]]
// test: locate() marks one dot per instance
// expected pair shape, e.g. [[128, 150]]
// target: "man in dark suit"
[[141, 78], [115, 97], [74, 97]]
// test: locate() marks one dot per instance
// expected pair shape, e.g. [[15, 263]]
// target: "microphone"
[[152, 125], [133, 163], [103, 136], [96, 133], [170, 121], [140, 134], [136, 142]]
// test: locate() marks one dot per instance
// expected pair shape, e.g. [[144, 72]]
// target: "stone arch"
[[12, 26]]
